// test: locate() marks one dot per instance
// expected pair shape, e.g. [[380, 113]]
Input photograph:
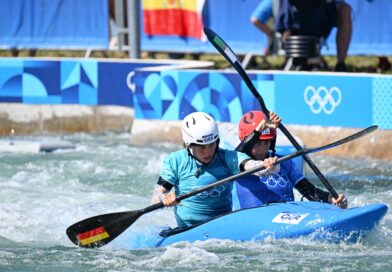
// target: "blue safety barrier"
[[299, 98], [67, 81], [325, 99]]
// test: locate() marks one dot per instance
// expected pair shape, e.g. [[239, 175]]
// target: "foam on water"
[[42, 194]]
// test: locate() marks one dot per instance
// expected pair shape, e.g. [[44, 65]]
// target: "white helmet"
[[199, 128]]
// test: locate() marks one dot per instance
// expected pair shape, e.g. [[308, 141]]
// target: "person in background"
[[383, 64], [317, 18], [259, 144], [201, 163], [266, 10], [16, 52]]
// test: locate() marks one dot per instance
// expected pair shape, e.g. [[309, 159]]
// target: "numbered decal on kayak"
[[289, 218]]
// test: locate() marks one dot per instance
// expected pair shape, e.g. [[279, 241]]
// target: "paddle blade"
[[99, 230], [220, 45]]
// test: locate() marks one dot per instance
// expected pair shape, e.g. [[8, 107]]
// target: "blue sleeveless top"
[[179, 169], [254, 191]]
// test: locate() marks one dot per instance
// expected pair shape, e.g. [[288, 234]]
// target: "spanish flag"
[[173, 17]]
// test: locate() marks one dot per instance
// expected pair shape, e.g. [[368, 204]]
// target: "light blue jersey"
[[179, 169]]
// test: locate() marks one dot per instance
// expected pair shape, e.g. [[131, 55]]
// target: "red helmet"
[[249, 122]]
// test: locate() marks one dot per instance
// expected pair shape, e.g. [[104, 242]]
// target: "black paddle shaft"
[[300, 152], [229, 55], [88, 232]]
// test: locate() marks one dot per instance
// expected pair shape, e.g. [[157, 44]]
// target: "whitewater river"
[[42, 194]]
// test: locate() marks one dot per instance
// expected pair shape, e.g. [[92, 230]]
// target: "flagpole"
[[134, 28]]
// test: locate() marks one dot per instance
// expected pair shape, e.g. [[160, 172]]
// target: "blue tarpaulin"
[[82, 24], [372, 29], [54, 24]]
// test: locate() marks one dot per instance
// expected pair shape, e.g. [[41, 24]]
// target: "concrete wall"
[[57, 119], [376, 145]]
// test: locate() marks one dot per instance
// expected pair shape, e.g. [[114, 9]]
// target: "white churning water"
[[42, 194]]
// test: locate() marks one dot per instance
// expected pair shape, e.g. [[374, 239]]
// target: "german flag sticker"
[[92, 236]]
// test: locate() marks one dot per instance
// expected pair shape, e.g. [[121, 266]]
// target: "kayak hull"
[[287, 220], [320, 221], [313, 220]]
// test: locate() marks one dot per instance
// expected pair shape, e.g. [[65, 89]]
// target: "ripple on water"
[[42, 194]]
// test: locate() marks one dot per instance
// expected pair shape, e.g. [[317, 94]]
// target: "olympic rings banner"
[[351, 100], [325, 100]]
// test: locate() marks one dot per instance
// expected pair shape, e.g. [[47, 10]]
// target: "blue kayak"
[[316, 220]]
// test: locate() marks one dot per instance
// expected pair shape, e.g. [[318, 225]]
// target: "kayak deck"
[[314, 220], [287, 220]]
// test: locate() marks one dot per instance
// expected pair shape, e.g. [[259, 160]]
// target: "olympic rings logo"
[[273, 182], [322, 99]]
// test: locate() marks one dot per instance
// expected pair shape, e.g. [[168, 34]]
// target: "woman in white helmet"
[[201, 163]]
